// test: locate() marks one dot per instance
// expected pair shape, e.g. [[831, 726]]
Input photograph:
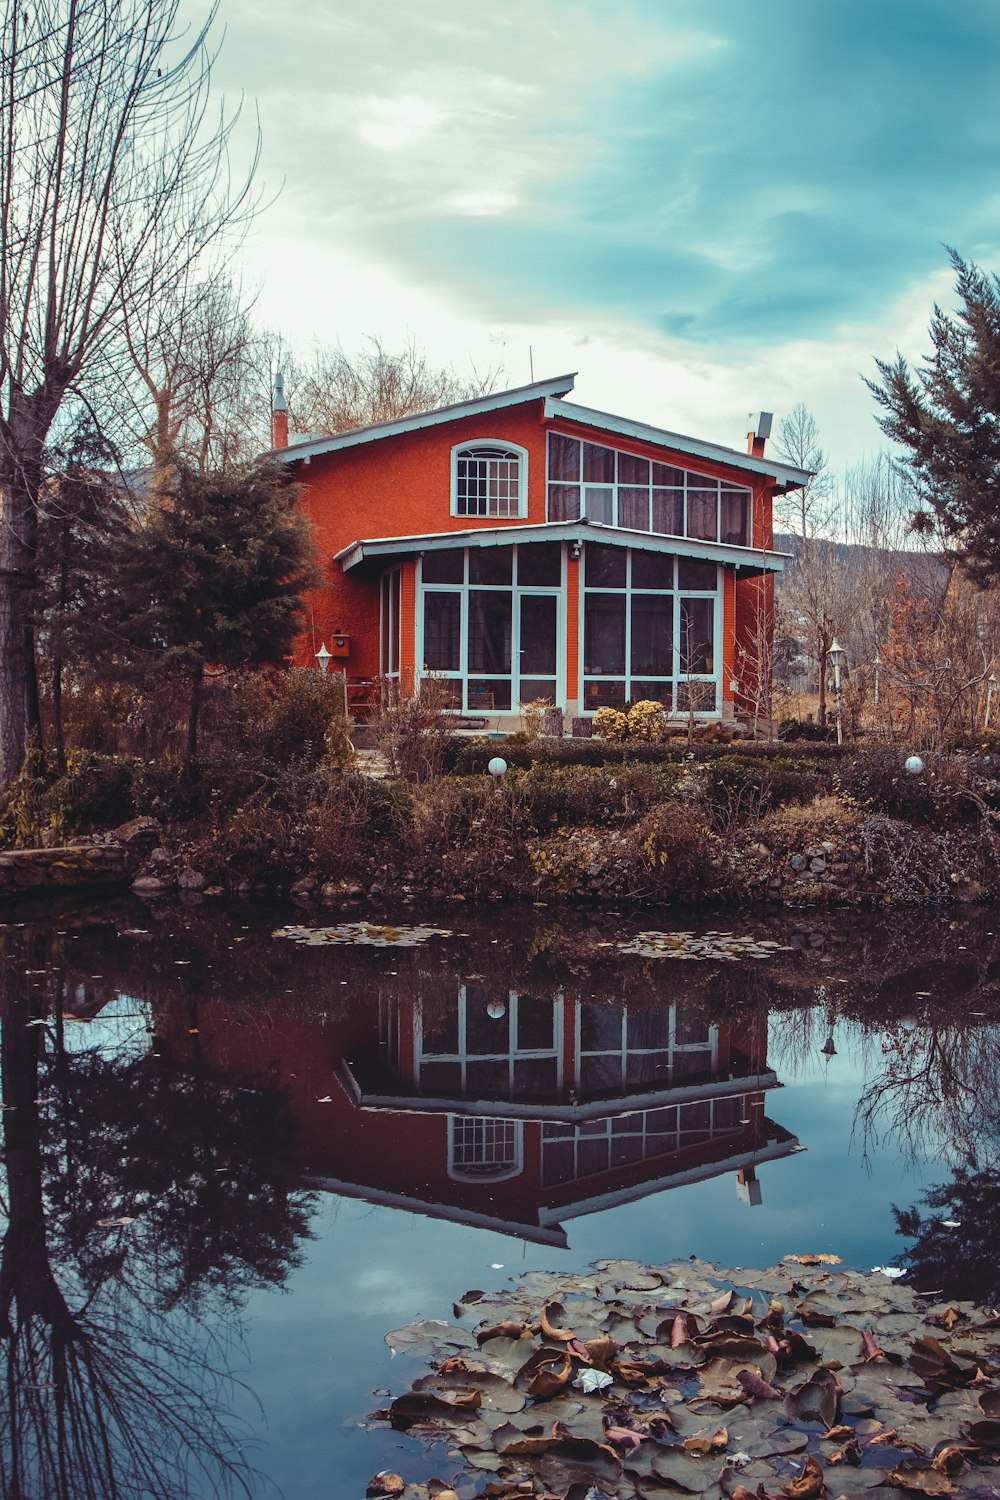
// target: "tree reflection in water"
[[936, 1093], [117, 1338]]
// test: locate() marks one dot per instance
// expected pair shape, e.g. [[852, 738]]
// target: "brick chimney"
[[758, 436], [279, 413]]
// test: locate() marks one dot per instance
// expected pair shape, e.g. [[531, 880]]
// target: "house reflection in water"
[[497, 1109], [522, 1113]]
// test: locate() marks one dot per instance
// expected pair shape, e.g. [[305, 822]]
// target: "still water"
[[233, 1160]]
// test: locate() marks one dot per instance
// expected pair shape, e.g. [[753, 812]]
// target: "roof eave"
[[539, 390], [786, 476], [748, 561]]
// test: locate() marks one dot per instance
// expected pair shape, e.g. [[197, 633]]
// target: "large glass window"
[[491, 624], [389, 612], [649, 624], [622, 489]]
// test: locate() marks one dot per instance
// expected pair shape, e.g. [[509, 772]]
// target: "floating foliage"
[[701, 945], [364, 934], [630, 1381]]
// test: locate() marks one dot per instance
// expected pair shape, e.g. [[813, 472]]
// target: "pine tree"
[[946, 413], [213, 578]]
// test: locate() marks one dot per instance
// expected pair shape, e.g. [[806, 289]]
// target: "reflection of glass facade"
[[570, 1151], [489, 1046], [622, 1051]]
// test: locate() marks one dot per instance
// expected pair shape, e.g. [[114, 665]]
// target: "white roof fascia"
[[383, 1198], [788, 477], [757, 558], [593, 1109], [479, 406]]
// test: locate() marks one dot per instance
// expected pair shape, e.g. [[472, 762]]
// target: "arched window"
[[483, 1149], [489, 479]]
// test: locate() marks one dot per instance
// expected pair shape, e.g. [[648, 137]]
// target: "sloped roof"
[[748, 561], [540, 390], [551, 392]]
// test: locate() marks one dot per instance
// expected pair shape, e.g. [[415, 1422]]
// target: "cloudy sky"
[[703, 206]]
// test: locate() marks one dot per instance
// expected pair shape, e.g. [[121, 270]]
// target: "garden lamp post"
[[877, 664], [837, 656], [991, 687]]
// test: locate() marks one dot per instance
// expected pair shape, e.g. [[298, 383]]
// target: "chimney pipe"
[[757, 436], [279, 413]]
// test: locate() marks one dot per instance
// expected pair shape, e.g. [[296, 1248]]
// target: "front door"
[[538, 652]]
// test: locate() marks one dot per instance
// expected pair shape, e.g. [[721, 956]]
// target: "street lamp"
[[991, 687], [877, 664], [837, 656]]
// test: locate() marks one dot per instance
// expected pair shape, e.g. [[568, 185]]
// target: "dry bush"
[[413, 734], [791, 826], [472, 837], [360, 825], [674, 857]]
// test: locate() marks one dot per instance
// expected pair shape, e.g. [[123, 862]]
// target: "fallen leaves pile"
[[364, 934], [799, 1382], [703, 945]]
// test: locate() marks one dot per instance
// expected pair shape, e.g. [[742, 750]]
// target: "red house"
[[519, 547]]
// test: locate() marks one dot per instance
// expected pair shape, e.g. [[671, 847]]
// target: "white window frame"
[[486, 1170], [623, 1051], [509, 1053], [693, 480], [513, 450], [678, 677], [518, 591]]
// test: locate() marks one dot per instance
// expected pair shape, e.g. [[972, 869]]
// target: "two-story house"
[[520, 547]]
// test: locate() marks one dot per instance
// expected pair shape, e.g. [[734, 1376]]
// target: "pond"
[[239, 1150]]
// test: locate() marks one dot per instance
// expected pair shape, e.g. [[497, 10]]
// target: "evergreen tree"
[[946, 413], [212, 578]]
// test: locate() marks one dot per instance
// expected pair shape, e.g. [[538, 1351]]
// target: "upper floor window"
[[591, 482], [489, 479]]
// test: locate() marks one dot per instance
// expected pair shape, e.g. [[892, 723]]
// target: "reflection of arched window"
[[481, 1149], [489, 479]]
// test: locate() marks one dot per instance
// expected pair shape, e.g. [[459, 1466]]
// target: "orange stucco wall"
[[398, 486]]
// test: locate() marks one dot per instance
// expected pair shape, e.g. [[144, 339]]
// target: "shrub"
[[257, 841], [646, 720], [533, 717], [472, 837], [610, 724], [673, 857], [579, 795], [358, 826], [414, 734], [877, 781], [95, 793]]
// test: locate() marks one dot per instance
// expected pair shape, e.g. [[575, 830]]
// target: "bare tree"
[[337, 391], [113, 181], [813, 591], [192, 354]]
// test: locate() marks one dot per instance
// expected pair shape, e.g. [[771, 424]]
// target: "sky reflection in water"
[[312, 1120]]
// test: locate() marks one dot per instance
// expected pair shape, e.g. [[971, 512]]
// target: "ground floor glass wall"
[[491, 627], [650, 626], [492, 624]]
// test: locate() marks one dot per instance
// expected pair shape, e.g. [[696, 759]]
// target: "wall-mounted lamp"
[[574, 551], [323, 657]]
